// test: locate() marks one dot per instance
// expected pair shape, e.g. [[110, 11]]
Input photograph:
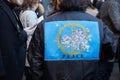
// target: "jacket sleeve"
[[109, 43], [114, 14], [35, 53], [2, 70]]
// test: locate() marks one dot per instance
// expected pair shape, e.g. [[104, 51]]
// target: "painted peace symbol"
[[69, 44]]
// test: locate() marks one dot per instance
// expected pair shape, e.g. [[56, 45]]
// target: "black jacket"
[[12, 45], [66, 69], [110, 14]]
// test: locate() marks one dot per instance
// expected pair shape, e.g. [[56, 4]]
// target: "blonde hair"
[[28, 4]]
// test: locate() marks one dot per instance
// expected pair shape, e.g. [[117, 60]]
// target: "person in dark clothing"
[[12, 42], [67, 44], [110, 14]]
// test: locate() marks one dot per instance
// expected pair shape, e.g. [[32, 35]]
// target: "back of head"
[[73, 5]]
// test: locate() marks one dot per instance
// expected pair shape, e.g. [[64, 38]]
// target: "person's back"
[[67, 45], [12, 42], [110, 14]]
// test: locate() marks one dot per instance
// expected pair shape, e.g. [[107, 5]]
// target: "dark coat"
[[66, 69], [12, 45], [2, 72], [110, 14]]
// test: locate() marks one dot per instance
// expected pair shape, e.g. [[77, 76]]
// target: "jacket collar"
[[11, 16]]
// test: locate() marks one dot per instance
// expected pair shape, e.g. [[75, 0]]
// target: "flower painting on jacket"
[[72, 40]]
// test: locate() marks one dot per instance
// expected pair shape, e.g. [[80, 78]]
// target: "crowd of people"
[[70, 40]]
